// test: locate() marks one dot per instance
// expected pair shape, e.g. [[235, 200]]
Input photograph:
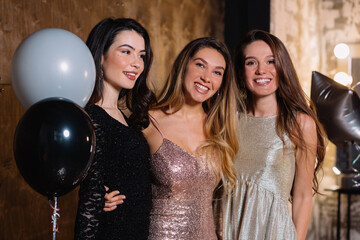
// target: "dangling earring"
[[101, 75]]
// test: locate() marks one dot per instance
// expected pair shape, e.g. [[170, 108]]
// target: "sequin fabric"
[[121, 162], [182, 195], [258, 208]]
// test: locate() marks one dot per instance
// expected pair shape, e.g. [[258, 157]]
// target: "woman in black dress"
[[122, 54]]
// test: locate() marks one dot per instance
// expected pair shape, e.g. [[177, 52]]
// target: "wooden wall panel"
[[171, 24], [25, 214]]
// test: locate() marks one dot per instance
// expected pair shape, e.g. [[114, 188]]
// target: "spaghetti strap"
[[153, 121]]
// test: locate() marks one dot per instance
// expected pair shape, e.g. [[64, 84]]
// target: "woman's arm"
[[91, 196], [304, 171]]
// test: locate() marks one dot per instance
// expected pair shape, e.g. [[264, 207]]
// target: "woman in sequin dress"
[[122, 54], [281, 147], [193, 141], [192, 138]]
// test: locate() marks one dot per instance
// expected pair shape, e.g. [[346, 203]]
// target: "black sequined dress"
[[121, 162]]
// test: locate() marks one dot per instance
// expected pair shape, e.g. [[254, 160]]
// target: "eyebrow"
[[269, 56], [204, 61], [129, 46]]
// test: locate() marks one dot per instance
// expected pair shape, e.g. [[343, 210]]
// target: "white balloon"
[[53, 62]]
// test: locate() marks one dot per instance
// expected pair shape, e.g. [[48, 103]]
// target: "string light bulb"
[[343, 78], [341, 50]]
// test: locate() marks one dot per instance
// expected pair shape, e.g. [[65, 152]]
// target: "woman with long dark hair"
[[122, 54]]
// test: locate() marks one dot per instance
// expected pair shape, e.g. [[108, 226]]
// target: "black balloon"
[[338, 109], [54, 145]]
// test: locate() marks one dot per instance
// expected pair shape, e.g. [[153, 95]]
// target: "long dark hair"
[[139, 98], [291, 98]]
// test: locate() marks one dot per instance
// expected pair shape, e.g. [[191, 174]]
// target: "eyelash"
[[202, 65], [250, 63], [142, 56]]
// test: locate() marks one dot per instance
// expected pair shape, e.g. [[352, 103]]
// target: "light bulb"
[[341, 50], [336, 170], [343, 78]]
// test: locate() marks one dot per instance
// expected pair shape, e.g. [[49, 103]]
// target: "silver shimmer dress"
[[258, 208], [182, 195]]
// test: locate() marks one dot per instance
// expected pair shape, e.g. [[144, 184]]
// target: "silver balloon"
[[338, 109], [52, 63], [356, 88]]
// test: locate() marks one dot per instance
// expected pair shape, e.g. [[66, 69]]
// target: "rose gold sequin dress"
[[182, 195]]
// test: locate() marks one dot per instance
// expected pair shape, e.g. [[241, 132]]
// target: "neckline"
[[176, 145], [267, 117], [108, 115]]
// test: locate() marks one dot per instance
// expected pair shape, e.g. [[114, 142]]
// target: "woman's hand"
[[112, 199]]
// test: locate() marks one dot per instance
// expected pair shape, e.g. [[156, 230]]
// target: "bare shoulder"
[[154, 116], [308, 128], [306, 123], [156, 113], [152, 133]]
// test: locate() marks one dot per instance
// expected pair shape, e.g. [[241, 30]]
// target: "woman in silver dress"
[[281, 147]]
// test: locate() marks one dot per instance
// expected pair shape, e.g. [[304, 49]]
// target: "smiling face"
[[260, 72], [204, 75], [123, 62]]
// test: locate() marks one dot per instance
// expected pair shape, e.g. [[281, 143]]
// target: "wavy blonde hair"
[[221, 120]]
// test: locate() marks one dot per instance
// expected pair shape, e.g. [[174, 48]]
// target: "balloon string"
[[54, 217], [355, 160], [357, 175]]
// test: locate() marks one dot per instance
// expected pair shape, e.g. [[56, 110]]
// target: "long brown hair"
[[221, 120], [291, 98]]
